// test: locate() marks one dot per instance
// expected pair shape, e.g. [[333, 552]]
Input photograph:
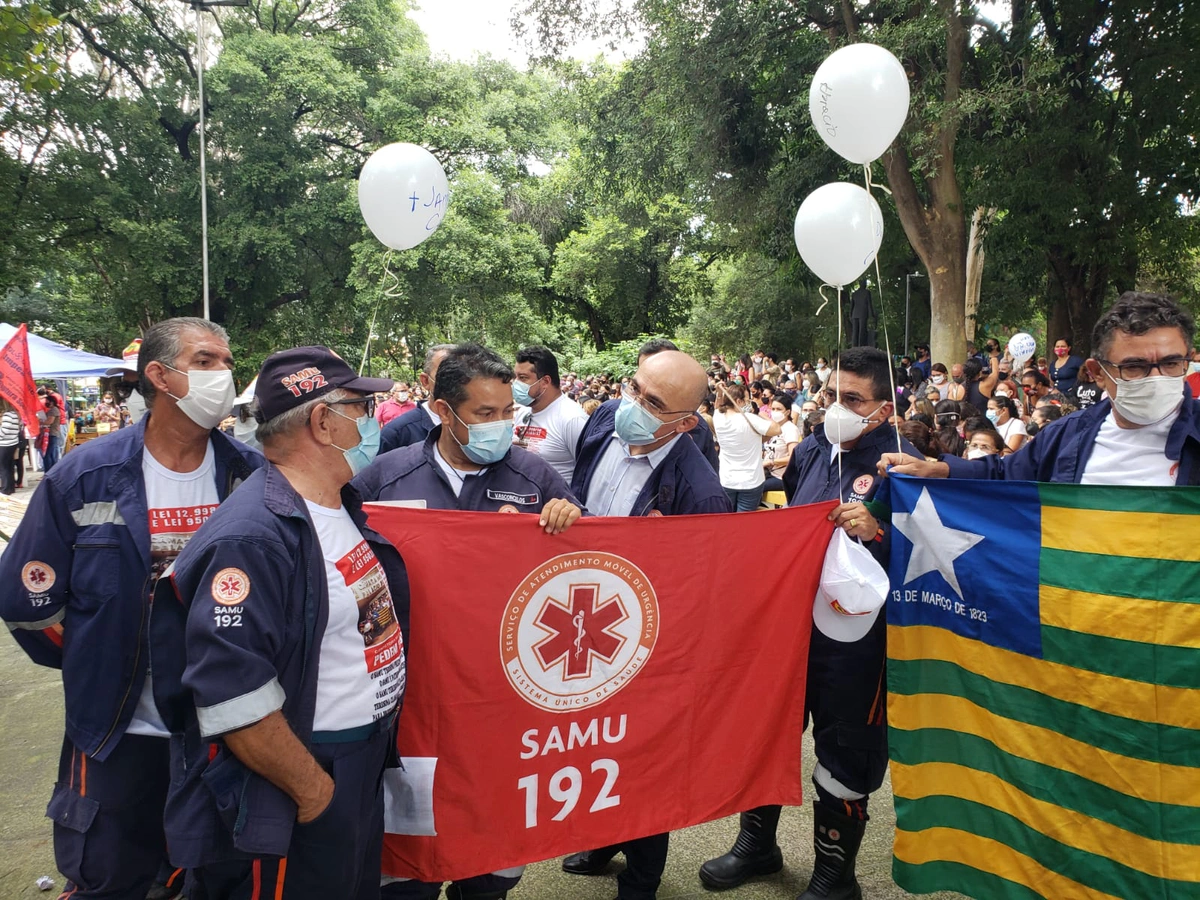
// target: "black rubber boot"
[[589, 862], [454, 892], [836, 839], [754, 852]]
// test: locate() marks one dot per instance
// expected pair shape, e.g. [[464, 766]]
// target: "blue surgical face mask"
[[636, 425], [487, 442], [363, 453], [993, 415], [521, 393]]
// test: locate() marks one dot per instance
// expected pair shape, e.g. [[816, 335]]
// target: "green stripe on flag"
[[1167, 744], [1097, 872], [1148, 579], [1181, 501], [944, 875], [1156, 821], [1151, 663]]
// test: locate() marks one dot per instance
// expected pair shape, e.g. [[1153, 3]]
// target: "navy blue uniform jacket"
[[244, 662], [406, 430], [683, 484], [1061, 450], [81, 557]]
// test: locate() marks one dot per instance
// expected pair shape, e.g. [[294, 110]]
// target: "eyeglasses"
[[847, 399], [1172, 367], [631, 392], [369, 402]]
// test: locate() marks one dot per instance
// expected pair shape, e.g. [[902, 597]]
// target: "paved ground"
[[31, 732]]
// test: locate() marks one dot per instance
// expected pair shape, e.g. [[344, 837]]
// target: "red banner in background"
[[622, 679], [16, 379]]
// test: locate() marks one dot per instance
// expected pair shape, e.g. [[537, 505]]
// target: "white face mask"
[[210, 396], [136, 406], [245, 432], [402, 396], [843, 425], [1148, 400], [977, 453], [778, 415], [938, 379]]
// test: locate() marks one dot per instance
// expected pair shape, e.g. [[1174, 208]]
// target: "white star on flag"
[[935, 546]]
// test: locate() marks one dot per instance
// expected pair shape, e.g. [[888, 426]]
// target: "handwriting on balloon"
[[826, 116], [434, 200]]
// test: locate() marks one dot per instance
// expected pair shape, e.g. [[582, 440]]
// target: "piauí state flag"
[[1044, 690], [607, 683]]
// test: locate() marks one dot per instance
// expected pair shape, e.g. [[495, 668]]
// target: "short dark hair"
[[871, 364], [462, 365], [543, 361], [1136, 312], [163, 342], [655, 345], [1037, 376]]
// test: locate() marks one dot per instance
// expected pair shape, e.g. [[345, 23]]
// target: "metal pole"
[[907, 297], [200, 54]]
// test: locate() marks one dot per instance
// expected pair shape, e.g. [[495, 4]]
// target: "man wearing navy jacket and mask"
[[469, 462], [1146, 431], [845, 689], [635, 459]]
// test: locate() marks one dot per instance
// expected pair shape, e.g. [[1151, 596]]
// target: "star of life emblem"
[[577, 629]]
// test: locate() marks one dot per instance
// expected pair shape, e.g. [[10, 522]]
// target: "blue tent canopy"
[[51, 360]]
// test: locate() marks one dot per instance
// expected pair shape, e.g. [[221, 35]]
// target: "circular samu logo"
[[578, 628], [37, 577]]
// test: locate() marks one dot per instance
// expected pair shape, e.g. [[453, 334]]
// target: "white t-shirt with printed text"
[[361, 669], [178, 503], [552, 433]]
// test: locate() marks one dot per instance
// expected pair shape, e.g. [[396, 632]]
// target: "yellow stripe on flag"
[[1135, 700], [1108, 533], [1136, 778], [1152, 621], [1158, 859], [987, 855]]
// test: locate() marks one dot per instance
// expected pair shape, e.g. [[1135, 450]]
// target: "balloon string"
[[887, 343], [871, 184], [821, 291], [390, 288], [838, 393]]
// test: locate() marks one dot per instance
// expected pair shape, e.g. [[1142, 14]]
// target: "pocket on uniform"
[[95, 572], [225, 778], [73, 815]]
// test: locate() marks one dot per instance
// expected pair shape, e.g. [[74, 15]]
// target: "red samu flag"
[[16, 379], [608, 683]]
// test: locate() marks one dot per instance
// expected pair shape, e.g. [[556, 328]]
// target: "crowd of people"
[[251, 754]]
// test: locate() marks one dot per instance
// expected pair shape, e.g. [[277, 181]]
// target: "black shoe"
[[836, 839], [754, 852], [589, 862]]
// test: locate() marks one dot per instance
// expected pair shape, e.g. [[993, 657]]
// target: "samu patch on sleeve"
[[230, 586], [510, 497], [37, 577]]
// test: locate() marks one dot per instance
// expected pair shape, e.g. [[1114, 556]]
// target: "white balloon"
[[859, 101], [403, 194], [1021, 347], [838, 232]]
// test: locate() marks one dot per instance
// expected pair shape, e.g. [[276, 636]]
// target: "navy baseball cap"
[[291, 378]]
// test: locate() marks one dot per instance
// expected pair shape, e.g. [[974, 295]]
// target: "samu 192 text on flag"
[[603, 684]]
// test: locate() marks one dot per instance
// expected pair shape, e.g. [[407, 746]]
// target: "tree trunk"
[[975, 257], [932, 216]]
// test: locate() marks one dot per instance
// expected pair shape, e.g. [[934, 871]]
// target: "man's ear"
[[687, 423], [156, 374]]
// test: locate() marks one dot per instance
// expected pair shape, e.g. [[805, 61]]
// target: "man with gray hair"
[[295, 657], [414, 426], [82, 570]]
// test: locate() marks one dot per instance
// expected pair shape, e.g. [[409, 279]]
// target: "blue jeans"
[[50, 457], [744, 501]]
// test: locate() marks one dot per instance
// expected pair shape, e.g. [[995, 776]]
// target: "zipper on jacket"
[[136, 659]]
